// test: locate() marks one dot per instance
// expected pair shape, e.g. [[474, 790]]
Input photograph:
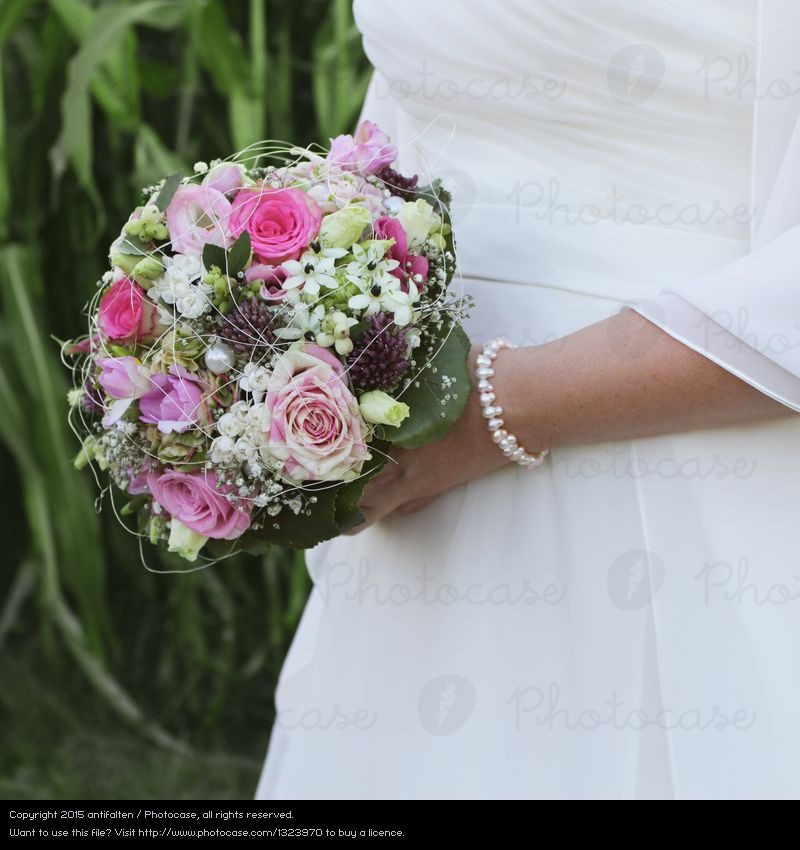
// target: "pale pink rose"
[[281, 222], [271, 277], [311, 421], [124, 380], [194, 500], [387, 227], [174, 402], [125, 313], [225, 177], [198, 216], [367, 151]]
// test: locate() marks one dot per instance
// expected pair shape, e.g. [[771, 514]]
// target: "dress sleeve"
[[745, 316]]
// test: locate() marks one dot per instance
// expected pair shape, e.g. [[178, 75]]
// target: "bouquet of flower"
[[269, 327]]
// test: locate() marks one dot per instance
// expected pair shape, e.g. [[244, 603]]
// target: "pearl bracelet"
[[490, 410]]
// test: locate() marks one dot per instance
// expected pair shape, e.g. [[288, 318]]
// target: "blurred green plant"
[[96, 100]]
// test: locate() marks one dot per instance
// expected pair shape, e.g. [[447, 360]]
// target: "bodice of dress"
[[603, 146]]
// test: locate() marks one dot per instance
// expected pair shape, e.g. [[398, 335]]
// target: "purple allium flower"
[[378, 359], [402, 187], [250, 327]]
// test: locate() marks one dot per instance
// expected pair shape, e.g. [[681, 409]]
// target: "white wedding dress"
[[623, 622]]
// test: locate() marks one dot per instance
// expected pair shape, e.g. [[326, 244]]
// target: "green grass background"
[[116, 682]]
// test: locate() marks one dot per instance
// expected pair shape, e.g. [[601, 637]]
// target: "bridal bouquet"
[[268, 328]]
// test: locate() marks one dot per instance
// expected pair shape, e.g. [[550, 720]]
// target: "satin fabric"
[[621, 622]]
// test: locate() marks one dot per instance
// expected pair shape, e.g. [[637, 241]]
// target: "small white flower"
[[200, 167], [311, 271], [222, 449], [305, 320], [404, 305], [176, 282], [255, 380], [190, 265], [245, 450], [230, 425], [370, 267], [192, 300]]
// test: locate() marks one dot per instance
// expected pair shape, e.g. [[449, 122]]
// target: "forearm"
[[621, 378]]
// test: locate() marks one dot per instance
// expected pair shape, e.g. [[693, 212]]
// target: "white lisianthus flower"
[[418, 219], [311, 271], [184, 541], [379, 408], [341, 229]]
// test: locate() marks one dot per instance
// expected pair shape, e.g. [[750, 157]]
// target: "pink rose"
[[125, 313], [271, 277], [121, 378], [194, 501], [174, 401], [197, 216], [366, 152], [311, 419], [281, 222], [225, 177], [387, 227]]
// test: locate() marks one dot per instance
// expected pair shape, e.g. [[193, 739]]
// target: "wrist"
[[501, 382]]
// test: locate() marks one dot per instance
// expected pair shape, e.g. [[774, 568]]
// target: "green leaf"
[[133, 245], [168, 190], [358, 329], [432, 416], [213, 255], [348, 510], [298, 531], [239, 254]]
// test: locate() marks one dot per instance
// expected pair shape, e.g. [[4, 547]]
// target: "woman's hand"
[[619, 379], [414, 477]]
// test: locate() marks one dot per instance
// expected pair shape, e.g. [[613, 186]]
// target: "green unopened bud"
[[86, 454], [160, 232], [133, 227], [157, 529], [149, 268], [126, 262], [184, 541], [379, 408], [344, 227]]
